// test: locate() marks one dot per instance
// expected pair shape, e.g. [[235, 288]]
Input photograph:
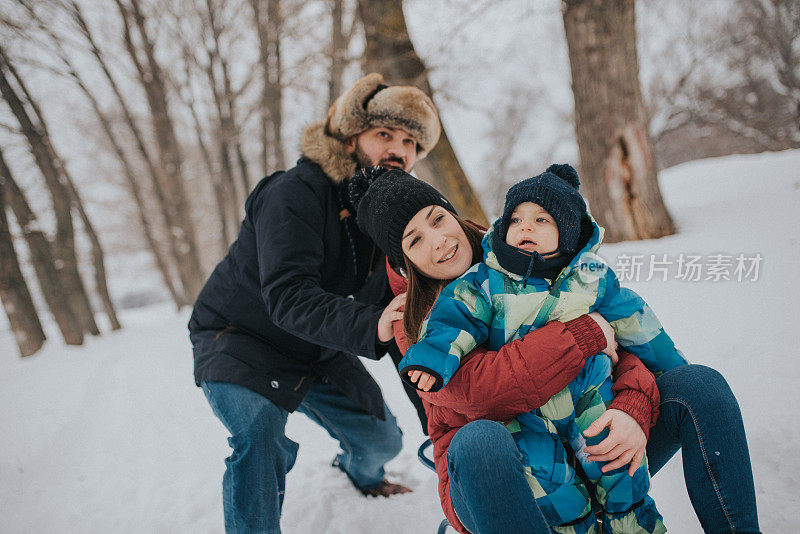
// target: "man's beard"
[[363, 160]]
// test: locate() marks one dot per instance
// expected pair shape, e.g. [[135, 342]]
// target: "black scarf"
[[527, 264]]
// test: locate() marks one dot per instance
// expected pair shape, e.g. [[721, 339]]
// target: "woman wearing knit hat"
[[414, 225]]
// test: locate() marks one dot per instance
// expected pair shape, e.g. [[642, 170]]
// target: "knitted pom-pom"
[[566, 173], [360, 182]]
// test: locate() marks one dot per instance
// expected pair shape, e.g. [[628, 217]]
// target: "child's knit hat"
[[385, 201], [556, 190]]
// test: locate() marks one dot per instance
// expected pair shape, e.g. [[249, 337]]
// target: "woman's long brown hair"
[[423, 290]]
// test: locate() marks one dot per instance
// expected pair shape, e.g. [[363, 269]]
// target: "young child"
[[541, 264]]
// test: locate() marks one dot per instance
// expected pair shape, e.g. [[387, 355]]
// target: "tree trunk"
[[42, 260], [219, 82], [98, 257], [178, 209], [618, 168], [268, 24], [178, 293], [243, 173], [263, 111], [339, 44], [52, 170], [274, 76], [390, 52], [14, 292], [222, 195], [98, 260]]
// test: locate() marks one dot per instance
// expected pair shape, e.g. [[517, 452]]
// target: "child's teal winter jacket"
[[491, 304]]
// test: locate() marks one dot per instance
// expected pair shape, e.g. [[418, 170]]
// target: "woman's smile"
[[436, 244], [449, 255]]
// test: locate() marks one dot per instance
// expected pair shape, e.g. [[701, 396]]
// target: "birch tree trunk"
[[618, 169], [14, 294], [42, 259], [390, 52]]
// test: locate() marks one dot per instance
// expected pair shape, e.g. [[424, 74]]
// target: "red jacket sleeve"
[[523, 374], [400, 336], [635, 391]]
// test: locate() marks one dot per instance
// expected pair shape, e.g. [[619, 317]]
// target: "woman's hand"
[[393, 312], [625, 443], [611, 342]]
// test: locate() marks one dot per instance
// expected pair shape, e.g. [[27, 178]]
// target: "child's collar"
[[527, 264]]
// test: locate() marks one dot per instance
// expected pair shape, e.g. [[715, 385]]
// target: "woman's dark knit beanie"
[[385, 201], [556, 190]]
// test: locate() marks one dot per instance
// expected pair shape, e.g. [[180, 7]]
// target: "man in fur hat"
[[300, 292]]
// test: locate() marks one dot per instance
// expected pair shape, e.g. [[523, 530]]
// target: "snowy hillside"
[[114, 436]]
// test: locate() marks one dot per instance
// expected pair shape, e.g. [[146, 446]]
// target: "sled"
[[427, 462]]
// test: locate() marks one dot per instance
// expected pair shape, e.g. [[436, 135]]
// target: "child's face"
[[532, 229]]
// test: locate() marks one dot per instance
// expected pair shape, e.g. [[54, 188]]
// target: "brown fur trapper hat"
[[369, 103]]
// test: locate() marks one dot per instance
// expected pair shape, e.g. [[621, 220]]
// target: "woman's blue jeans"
[[699, 415], [255, 473]]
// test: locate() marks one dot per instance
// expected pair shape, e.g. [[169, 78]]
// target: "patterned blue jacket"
[[489, 304]]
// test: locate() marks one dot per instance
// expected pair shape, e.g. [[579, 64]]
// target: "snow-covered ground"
[[114, 436]]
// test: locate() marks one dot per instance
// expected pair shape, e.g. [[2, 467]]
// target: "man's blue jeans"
[[255, 475], [699, 415]]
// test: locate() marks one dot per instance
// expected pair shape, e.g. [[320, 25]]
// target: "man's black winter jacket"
[[287, 305]]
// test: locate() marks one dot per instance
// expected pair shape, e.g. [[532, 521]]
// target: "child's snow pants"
[[562, 496]]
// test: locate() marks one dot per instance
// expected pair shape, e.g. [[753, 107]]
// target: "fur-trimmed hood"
[[327, 152]]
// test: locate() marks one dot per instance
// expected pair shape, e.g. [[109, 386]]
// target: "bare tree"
[[35, 131], [617, 160], [506, 162], [98, 257], [268, 17], [390, 51], [14, 292], [228, 132], [761, 41], [223, 186], [218, 139], [341, 37], [179, 224], [178, 293], [726, 80], [339, 44], [42, 260]]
